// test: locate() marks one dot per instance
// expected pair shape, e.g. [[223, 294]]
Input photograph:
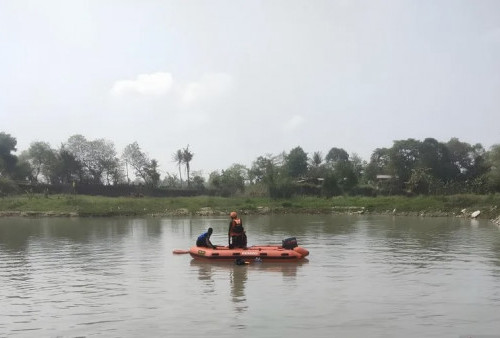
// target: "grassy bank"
[[80, 205]]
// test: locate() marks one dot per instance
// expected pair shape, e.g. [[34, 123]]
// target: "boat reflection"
[[211, 271], [288, 269], [238, 277]]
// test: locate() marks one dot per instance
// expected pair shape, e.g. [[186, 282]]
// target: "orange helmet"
[[233, 214]]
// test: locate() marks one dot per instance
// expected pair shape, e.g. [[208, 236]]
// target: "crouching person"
[[204, 240]]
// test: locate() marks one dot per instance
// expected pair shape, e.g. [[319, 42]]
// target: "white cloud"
[[155, 84], [295, 122], [211, 85]]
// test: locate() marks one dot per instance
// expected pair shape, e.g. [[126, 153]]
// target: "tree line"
[[409, 167]]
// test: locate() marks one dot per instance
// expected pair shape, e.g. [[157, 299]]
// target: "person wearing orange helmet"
[[236, 235]]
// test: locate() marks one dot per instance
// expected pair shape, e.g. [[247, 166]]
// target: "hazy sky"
[[240, 79]]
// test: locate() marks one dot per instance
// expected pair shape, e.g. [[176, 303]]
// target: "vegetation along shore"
[[97, 206], [89, 178]]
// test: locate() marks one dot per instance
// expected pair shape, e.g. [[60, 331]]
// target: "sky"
[[236, 80]]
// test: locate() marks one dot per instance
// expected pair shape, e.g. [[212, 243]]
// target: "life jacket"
[[202, 237], [236, 227]]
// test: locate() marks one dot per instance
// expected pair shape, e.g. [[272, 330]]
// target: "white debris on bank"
[[465, 213], [475, 214]]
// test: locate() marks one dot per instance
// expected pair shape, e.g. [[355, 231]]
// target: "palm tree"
[[178, 157], [317, 159], [187, 156]]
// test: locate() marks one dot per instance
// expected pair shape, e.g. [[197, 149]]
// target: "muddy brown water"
[[366, 276]]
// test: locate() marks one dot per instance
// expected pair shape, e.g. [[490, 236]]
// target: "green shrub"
[[363, 190], [8, 187]]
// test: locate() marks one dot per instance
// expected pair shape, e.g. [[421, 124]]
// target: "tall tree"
[[317, 159], [346, 175], [358, 165], [7, 160], [178, 157], [23, 171], [379, 164], [198, 180], [113, 171], [317, 169], [436, 157], [41, 157], [230, 181], [493, 174], [145, 168], [66, 168], [97, 157], [336, 154], [153, 176], [404, 156], [170, 181], [296, 162], [102, 160], [187, 156], [78, 146], [264, 169], [468, 159], [421, 181], [138, 160]]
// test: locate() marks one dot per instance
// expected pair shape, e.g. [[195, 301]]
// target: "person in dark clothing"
[[236, 235], [204, 240]]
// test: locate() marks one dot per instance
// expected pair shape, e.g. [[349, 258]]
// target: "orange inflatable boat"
[[264, 252], [284, 252]]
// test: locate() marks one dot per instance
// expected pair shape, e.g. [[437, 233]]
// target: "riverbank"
[[87, 206]]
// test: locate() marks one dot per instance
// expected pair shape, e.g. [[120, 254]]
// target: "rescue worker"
[[236, 235], [204, 240]]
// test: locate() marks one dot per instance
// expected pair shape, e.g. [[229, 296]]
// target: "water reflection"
[[118, 277], [19, 232], [238, 276], [212, 272], [287, 269], [298, 225], [15, 233], [205, 274], [411, 242]]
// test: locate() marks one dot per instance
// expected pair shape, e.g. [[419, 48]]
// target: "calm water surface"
[[367, 276]]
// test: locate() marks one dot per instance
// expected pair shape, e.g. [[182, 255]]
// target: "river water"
[[366, 276]]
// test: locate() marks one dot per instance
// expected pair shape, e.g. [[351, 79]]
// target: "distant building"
[[384, 177], [386, 182], [311, 180]]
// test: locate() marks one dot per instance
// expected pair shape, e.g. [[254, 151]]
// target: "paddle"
[[180, 251]]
